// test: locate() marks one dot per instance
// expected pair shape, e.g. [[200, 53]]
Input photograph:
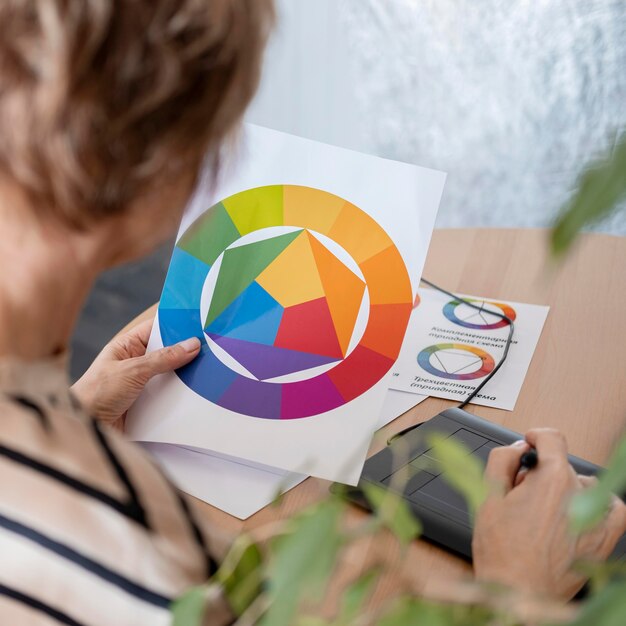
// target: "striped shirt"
[[91, 532]]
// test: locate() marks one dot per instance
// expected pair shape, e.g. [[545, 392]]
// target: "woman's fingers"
[[130, 344], [142, 331], [549, 443], [168, 359], [616, 513], [600, 542], [587, 481], [521, 476], [504, 463], [614, 524], [616, 519]]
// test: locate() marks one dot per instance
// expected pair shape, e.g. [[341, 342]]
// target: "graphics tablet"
[[440, 508]]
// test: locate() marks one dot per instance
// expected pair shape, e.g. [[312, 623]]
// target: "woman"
[[108, 109], [107, 112]]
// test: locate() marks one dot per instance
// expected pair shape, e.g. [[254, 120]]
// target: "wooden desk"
[[576, 381]]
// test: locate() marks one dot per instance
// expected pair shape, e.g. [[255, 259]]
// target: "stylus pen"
[[529, 459]]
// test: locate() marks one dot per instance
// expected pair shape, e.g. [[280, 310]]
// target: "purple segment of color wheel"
[[309, 397], [266, 362], [252, 397]]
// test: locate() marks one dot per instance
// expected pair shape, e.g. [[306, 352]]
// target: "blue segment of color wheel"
[[184, 282], [179, 324], [253, 316], [207, 375]]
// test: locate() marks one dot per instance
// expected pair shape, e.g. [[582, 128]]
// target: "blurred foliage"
[[589, 506], [416, 612], [241, 574], [393, 512], [601, 574], [354, 599], [189, 609], [605, 608], [240, 578], [302, 560], [601, 187], [461, 470]]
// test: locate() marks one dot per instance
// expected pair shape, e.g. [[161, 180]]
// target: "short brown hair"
[[98, 98]]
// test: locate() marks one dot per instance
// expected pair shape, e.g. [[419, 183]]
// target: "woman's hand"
[[522, 537], [116, 378]]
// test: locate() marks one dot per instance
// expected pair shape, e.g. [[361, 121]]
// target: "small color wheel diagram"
[[459, 313], [300, 298], [456, 361]]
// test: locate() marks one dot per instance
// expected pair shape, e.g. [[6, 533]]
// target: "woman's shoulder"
[[77, 496]]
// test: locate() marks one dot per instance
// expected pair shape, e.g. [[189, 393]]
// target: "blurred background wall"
[[510, 97]]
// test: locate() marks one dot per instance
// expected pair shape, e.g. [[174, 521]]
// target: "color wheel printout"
[[450, 348], [298, 276]]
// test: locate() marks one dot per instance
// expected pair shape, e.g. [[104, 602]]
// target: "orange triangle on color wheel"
[[387, 278], [344, 291]]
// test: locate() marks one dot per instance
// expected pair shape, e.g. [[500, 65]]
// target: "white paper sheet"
[[397, 403], [450, 348], [403, 199], [239, 488], [226, 483]]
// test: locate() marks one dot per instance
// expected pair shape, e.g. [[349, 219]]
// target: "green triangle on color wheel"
[[241, 266], [210, 235]]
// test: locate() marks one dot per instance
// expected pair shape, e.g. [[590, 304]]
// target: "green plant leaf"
[[606, 608], [600, 574], [393, 512], [302, 560], [241, 574], [414, 612], [355, 597], [239, 577], [601, 186], [460, 470], [189, 609], [311, 620], [589, 507]]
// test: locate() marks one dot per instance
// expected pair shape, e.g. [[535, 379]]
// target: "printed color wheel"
[[456, 361], [300, 298], [478, 320]]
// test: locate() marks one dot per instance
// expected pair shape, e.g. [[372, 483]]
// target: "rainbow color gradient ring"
[[300, 298], [481, 322], [456, 361]]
